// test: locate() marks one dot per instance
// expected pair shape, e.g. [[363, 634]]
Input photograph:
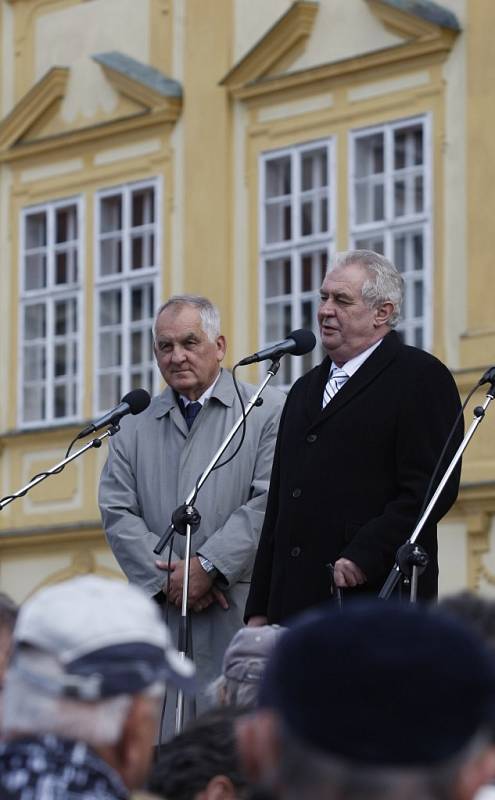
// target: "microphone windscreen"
[[305, 341], [137, 400]]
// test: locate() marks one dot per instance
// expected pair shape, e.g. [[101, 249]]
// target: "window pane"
[[66, 266], [110, 349], [35, 271], [375, 243], [142, 302], [278, 322], [110, 256], [408, 147], [418, 194], [370, 155], [277, 277], [142, 254], [138, 339], [418, 251], [36, 228], [418, 298], [307, 217], [143, 207], [278, 177], [314, 169], [35, 321], [66, 224], [110, 307], [35, 362], [278, 222], [34, 402], [400, 253], [370, 202], [110, 390], [111, 214], [61, 360], [60, 401]]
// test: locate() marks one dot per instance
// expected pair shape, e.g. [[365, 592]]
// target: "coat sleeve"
[[257, 602], [429, 407], [130, 539], [232, 547]]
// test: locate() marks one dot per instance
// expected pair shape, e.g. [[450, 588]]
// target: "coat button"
[[297, 493], [312, 437], [295, 552]]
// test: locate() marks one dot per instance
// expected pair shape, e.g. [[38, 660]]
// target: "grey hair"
[[209, 313], [307, 774], [384, 284], [29, 710]]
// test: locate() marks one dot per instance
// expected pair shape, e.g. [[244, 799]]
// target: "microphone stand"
[[410, 555], [5, 501], [186, 519]]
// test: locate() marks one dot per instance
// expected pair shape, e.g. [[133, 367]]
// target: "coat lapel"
[[372, 367]]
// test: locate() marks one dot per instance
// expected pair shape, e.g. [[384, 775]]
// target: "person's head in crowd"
[[474, 610], [202, 762], [381, 702], [243, 664], [8, 615], [360, 302], [189, 346], [90, 662]]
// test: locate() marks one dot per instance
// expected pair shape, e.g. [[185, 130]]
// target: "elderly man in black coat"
[[358, 442]]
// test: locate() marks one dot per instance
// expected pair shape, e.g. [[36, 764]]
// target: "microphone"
[[132, 403], [298, 343]]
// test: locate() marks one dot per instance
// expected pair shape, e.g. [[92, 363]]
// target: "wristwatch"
[[207, 565]]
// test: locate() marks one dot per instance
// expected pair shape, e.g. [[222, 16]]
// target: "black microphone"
[[488, 377], [298, 343], [132, 403]]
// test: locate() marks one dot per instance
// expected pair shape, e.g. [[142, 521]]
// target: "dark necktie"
[[191, 411]]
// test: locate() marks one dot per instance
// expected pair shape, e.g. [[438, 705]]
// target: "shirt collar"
[[204, 397], [352, 366]]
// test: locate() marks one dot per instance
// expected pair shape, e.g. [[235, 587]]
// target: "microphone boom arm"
[[5, 501]]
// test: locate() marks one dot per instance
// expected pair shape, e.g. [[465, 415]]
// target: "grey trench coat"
[[153, 463]]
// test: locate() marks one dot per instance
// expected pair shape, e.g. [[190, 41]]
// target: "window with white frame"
[[50, 318], [297, 228], [391, 211], [127, 259]]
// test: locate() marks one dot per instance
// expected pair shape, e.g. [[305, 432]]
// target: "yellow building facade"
[[227, 148]]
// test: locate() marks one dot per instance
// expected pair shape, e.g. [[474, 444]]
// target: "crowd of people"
[[287, 693]]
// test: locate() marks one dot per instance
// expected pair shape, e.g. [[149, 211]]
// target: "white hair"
[[27, 709], [385, 283], [208, 312]]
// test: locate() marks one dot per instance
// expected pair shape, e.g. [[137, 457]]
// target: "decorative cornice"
[[33, 105], [356, 67], [140, 82], [82, 136], [412, 19], [283, 37]]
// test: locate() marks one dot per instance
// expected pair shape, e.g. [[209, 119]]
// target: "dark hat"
[[382, 684], [106, 636]]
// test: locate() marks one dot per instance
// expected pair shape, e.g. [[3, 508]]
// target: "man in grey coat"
[[154, 463]]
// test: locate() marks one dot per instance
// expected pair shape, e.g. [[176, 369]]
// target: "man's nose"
[[327, 308], [178, 354]]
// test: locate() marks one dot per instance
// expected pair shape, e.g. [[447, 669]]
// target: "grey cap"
[[107, 637], [247, 653]]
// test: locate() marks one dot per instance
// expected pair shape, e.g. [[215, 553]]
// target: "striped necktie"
[[335, 382]]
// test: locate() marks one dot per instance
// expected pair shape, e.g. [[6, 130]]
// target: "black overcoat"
[[349, 481]]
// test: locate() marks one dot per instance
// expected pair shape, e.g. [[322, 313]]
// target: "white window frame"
[[49, 296], [298, 245], [126, 279], [392, 225]]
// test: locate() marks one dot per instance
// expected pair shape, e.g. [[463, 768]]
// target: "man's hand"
[[257, 621], [201, 593], [347, 574]]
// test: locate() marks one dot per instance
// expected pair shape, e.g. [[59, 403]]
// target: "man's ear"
[[258, 745], [135, 747], [219, 788], [383, 314], [477, 772], [221, 344]]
